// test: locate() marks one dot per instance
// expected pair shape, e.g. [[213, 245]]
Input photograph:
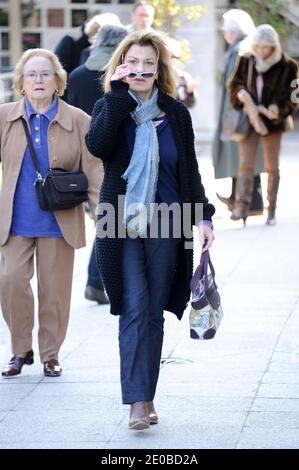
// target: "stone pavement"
[[239, 390]]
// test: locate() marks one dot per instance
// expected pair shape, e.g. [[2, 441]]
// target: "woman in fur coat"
[[269, 105]]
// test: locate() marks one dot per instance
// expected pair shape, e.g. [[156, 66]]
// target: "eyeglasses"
[[141, 74], [44, 76]]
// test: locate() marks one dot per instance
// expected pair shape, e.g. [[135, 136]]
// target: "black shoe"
[[52, 368], [14, 367], [96, 295]]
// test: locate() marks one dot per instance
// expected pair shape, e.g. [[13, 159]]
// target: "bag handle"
[[249, 74], [31, 150], [202, 271]]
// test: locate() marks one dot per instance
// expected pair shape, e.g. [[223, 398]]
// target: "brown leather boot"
[[229, 201], [272, 190], [257, 204], [139, 417], [153, 417], [244, 193]]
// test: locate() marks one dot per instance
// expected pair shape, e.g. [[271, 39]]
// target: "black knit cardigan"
[[106, 139]]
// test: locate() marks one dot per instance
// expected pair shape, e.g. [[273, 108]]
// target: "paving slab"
[[240, 390]]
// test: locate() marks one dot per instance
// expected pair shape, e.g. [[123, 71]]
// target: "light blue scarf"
[[142, 172]]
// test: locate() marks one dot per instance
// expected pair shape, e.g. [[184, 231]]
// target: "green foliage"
[[169, 13], [268, 11]]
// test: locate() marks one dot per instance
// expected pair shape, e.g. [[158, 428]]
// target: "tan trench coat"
[[66, 141]]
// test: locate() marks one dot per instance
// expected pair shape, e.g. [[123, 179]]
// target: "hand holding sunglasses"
[[141, 74], [122, 71]]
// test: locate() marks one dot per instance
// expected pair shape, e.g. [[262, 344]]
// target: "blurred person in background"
[[92, 27], [70, 47], [186, 84], [85, 85], [269, 105], [237, 26], [73, 49], [143, 15], [88, 77]]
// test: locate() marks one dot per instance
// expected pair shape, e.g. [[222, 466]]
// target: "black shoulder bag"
[[58, 189], [237, 126]]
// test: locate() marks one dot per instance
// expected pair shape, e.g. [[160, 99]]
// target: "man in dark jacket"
[[69, 50], [84, 87]]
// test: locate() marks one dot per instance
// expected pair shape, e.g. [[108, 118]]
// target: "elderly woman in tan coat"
[[27, 232]]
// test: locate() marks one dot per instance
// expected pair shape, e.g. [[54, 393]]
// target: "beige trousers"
[[54, 262]]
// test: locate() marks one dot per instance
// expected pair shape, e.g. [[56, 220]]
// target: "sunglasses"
[[141, 74]]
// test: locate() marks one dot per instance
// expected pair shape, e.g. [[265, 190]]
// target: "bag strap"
[[208, 263], [32, 150], [250, 73], [202, 271], [33, 153]]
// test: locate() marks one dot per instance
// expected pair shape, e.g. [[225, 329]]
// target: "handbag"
[[206, 311], [58, 189], [185, 96], [236, 124]]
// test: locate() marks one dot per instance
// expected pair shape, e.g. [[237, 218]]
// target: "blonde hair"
[[166, 80], [96, 22], [58, 69]]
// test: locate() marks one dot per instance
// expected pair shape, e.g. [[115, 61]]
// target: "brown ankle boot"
[[257, 204], [231, 200], [244, 192], [139, 416], [272, 190], [153, 417], [228, 201], [240, 212]]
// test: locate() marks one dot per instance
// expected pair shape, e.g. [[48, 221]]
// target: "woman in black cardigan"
[[145, 139]]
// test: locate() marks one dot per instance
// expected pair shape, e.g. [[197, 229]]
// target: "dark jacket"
[[106, 139], [84, 88], [277, 89], [69, 51]]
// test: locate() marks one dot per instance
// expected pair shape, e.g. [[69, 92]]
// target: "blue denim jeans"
[[94, 275], [148, 270]]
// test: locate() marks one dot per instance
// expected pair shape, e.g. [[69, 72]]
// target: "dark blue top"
[[28, 219], [168, 179]]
